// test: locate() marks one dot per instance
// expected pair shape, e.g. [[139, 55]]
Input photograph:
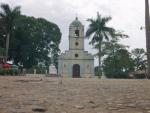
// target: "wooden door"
[[76, 71]]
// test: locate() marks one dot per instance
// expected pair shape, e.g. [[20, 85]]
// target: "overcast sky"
[[127, 15]]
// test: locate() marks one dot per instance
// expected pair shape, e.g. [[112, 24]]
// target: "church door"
[[76, 71]]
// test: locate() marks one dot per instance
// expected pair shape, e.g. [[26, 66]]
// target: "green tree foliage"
[[119, 64], [33, 40], [108, 47], [2, 41], [111, 46], [99, 31], [139, 56], [7, 18], [2, 35]]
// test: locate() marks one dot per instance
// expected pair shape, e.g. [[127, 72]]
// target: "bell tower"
[[75, 62], [76, 35]]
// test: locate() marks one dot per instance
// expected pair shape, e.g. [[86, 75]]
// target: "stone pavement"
[[51, 95]]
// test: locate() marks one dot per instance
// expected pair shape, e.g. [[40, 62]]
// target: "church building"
[[76, 63]]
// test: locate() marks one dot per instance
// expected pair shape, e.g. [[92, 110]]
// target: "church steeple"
[[76, 35], [76, 23]]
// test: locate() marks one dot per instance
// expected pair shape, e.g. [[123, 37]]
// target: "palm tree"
[[147, 26], [109, 47], [8, 15], [99, 31]]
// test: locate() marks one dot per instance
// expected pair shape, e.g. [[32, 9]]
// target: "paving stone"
[[110, 103], [119, 104], [14, 110], [48, 112], [131, 105], [93, 105], [61, 103], [147, 108], [122, 110], [38, 109], [79, 107], [121, 107], [112, 108], [110, 99], [91, 102]]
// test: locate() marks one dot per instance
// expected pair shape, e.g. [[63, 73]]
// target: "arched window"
[[77, 33]]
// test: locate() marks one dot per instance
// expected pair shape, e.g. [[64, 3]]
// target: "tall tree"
[[2, 34], [109, 47], [99, 31], [139, 56], [8, 15], [147, 26], [119, 64], [33, 41], [2, 40]]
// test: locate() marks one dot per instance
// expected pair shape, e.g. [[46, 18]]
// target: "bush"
[[140, 76], [39, 70], [10, 71]]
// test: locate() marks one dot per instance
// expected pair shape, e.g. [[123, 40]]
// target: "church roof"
[[76, 23]]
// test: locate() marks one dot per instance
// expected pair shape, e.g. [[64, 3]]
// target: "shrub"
[[9, 71]]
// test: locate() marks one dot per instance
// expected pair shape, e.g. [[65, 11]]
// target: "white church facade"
[[76, 63]]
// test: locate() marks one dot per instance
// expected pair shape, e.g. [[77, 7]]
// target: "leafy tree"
[[8, 16], [33, 41], [139, 56], [99, 31], [118, 65], [109, 47], [147, 24], [96, 73], [55, 53], [2, 34], [2, 41]]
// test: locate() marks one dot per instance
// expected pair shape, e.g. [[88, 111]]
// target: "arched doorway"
[[76, 71]]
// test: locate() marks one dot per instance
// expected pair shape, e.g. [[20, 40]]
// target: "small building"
[[76, 63]]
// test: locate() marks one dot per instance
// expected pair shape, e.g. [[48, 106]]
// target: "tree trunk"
[[147, 26], [99, 58], [7, 47]]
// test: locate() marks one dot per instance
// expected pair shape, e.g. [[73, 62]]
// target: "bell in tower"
[[77, 33]]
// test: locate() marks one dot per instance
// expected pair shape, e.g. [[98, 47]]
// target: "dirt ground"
[[51, 95]]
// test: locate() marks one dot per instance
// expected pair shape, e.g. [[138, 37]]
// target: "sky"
[[127, 16]]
